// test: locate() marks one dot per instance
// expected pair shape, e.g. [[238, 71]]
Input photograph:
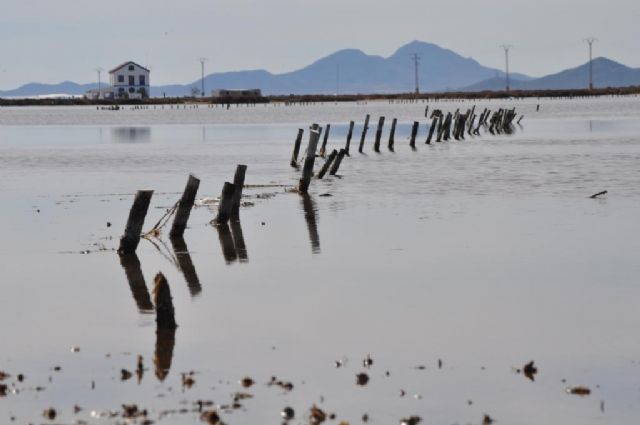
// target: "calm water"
[[484, 253]]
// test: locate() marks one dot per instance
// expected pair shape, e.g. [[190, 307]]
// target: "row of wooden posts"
[[442, 126]]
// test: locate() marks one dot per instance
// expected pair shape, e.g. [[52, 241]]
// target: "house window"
[[132, 80], [142, 80], [130, 67], [121, 90], [131, 90], [121, 78]]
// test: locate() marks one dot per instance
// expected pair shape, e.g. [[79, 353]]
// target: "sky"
[[56, 40]]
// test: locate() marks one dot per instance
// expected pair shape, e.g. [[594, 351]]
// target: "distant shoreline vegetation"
[[293, 98]]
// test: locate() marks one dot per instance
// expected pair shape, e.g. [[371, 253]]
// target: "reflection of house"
[[236, 94], [130, 80]]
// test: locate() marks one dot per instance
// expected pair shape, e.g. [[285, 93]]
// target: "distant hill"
[[37, 89], [606, 73]]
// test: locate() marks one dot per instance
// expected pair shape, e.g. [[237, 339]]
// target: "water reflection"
[[185, 264], [131, 134], [238, 241], [232, 242], [310, 215], [163, 355], [131, 265]]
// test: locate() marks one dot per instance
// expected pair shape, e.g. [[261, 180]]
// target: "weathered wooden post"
[[296, 148], [376, 145], [165, 316], [336, 163], [238, 184], [184, 207], [129, 241], [392, 134], [349, 135], [364, 133], [327, 163], [226, 201], [431, 130], [323, 148], [414, 133], [426, 111], [307, 170]]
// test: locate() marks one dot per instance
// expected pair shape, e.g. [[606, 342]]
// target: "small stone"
[[412, 420], [246, 382], [50, 413], [210, 416], [368, 361], [487, 420], [362, 379], [125, 375], [287, 413]]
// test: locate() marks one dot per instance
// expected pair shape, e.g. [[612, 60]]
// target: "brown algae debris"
[[362, 379], [579, 390]]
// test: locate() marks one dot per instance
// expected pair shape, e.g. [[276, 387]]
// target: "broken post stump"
[[376, 144], [165, 316], [392, 134], [129, 241], [336, 163], [327, 163], [296, 148], [307, 170], [431, 130], [323, 148], [349, 135], [184, 207], [364, 133], [226, 202], [238, 184], [414, 133]]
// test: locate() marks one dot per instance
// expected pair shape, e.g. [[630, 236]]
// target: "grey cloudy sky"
[[55, 40]]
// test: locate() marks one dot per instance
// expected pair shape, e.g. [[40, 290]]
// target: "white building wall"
[[120, 80]]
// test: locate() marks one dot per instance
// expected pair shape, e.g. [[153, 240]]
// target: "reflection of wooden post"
[[226, 243], [349, 135], [376, 144], [186, 265], [238, 183], [129, 241], [364, 133], [414, 133], [307, 170], [310, 216], [165, 318], [296, 148], [327, 163], [165, 341], [184, 207], [226, 201], [131, 265], [392, 134], [238, 241], [323, 148], [336, 163]]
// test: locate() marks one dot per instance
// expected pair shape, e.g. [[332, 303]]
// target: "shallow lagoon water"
[[484, 253]]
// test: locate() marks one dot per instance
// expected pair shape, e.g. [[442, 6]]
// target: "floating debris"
[[402, 393], [140, 368], [3, 390], [362, 379], [125, 375], [50, 413], [487, 420], [75, 349], [439, 363], [77, 409], [316, 415], [4, 375], [368, 361], [246, 382], [187, 380], [288, 413], [595, 195], [131, 411], [411, 420], [529, 370], [287, 386], [211, 417], [579, 390], [365, 418]]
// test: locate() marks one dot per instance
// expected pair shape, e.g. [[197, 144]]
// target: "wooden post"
[[184, 207], [376, 145], [238, 184], [349, 135], [323, 148], [392, 134], [364, 133], [226, 201], [129, 241], [414, 133], [327, 163], [431, 130], [307, 170], [440, 129], [336, 163], [296, 148], [426, 111], [165, 318]]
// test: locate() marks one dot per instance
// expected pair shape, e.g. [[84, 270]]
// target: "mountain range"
[[352, 71]]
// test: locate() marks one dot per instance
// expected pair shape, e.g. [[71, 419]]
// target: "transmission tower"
[[506, 48], [99, 71], [590, 41], [202, 61], [416, 61]]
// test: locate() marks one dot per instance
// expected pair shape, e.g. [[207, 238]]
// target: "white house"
[[130, 80]]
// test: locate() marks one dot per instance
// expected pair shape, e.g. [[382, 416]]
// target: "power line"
[[590, 41], [202, 61], [506, 48], [416, 60]]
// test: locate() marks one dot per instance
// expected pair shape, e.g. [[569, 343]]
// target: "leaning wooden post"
[[165, 316], [336, 163], [323, 148], [307, 170], [376, 145], [129, 241], [184, 207], [349, 135], [296, 148], [414, 133], [432, 128], [364, 133], [238, 184], [226, 201], [392, 133], [327, 163]]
